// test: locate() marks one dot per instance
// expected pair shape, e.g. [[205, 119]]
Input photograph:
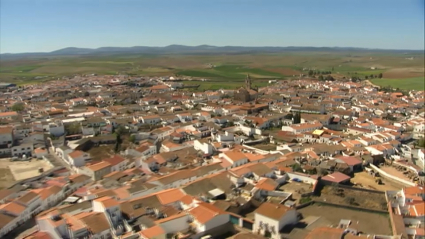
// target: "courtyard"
[[19, 170]]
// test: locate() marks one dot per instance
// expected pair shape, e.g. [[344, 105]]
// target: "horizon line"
[[95, 48]]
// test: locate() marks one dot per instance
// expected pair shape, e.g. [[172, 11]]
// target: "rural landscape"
[[222, 67]]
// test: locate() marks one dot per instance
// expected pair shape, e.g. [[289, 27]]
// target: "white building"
[[77, 158], [23, 149], [205, 147], [271, 218]]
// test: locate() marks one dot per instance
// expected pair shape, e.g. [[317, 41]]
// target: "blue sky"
[[47, 25]]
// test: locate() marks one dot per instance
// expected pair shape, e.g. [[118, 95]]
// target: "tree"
[[310, 72], [297, 118], [366, 77], [118, 143], [321, 78], [73, 128], [380, 75], [18, 107], [133, 138], [297, 168], [329, 78]]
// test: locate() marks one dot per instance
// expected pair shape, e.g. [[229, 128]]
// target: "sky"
[[48, 25]]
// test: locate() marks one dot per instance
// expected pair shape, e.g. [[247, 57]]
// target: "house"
[[234, 157], [77, 101], [336, 177], [354, 163], [117, 163], [96, 171], [302, 128], [207, 217], [205, 147], [150, 119], [6, 139], [30, 200], [12, 215], [23, 149], [50, 196], [78, 158], [270, 218], [155, 232], [8, 115]]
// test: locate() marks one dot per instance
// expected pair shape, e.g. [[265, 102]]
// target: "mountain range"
[[201, 49]]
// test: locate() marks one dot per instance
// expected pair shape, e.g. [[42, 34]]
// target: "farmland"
[[223, 71], [415, 83]]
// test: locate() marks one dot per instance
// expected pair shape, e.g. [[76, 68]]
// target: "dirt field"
[[296, 189], [6, 178], [404, 73], [14, 171], [370, 223], [367, 181], [394, 172], [368, 200]]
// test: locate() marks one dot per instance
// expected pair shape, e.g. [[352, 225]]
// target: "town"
[[119, 156]]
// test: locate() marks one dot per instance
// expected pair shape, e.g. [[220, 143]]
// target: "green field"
[[223, 84], [222, 71], [415, 83]]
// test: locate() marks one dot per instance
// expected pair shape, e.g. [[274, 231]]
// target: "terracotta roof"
[[27, 197], [39, 235], [99, 166], [204, 212], [5, 219], [272, 211], [107, 201], [13, 208], [76, 154], [170, 196], [413, 190], [152, 232], [8, 114], [266, 184], [116, 159], [96, 222], [336, 177], [352, 161], [6, 130], [235, 156]]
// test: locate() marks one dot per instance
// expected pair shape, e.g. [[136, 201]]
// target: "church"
[[246, 93]]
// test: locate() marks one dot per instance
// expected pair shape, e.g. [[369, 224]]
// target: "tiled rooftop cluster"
[[147, 158]]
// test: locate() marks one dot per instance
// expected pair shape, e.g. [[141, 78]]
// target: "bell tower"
[[248, 82]]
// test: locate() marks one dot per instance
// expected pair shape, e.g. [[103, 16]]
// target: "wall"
[[6, 138], [10, 226], [175, 225], [216, 221], [289, 218], [204, 147], [393, 178], [265, 220], [304, 178]]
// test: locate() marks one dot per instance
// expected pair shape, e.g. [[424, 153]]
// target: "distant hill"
[[202, 49]]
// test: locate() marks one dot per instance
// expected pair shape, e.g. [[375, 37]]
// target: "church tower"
[[248, 82]]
